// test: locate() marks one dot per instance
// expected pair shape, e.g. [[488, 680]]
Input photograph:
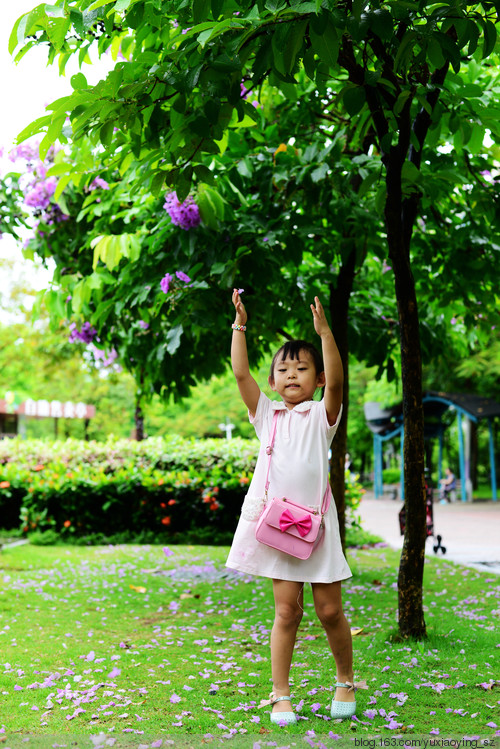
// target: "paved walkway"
[[470, 531]]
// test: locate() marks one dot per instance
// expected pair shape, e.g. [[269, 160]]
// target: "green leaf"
[[354, 99], [294, 44], [401, 101], [490, 37], [435, 53], [34, 127], [381, 23], [201, 10], [157, 183], [76, 17], [17, 33], [367, 183], [98, 4], [62, 183], [78, 81], [106, 132], [476, 139], [405, 49], [207, 210], [203, 173], [325, 45], [320, 172], [174, 338], [410, 173]]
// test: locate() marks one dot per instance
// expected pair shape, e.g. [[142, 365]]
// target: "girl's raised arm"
[[249, 390], [334, 371]]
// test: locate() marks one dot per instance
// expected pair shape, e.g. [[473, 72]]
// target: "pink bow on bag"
[[303, 524]]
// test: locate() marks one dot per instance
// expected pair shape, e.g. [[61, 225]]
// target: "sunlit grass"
[[124, 639]]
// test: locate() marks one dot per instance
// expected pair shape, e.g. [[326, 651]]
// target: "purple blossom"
[[86, 334], [165, 282], [97, 183], [100, 355], [144, 325], [182, 276], [41, 193], [186, 214], [27, 151]]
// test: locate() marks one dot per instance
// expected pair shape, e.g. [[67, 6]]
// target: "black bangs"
[[292, 349]]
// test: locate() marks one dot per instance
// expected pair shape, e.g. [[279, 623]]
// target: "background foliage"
[[164, 488]]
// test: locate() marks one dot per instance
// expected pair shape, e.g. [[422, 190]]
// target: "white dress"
[[299, 471]]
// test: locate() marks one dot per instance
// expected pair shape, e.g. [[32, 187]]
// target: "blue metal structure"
[[388, 423]]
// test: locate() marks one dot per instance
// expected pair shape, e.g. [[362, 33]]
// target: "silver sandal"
[[346, 709], [281, 719]]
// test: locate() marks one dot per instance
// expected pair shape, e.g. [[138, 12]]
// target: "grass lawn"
[[129, 646]]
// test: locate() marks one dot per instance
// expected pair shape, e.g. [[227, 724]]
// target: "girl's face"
[[296, 379]]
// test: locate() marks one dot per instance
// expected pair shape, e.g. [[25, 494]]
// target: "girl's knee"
[[288, 615], [329, 613]]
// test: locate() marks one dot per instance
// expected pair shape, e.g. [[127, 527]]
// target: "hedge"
[[170, 489]]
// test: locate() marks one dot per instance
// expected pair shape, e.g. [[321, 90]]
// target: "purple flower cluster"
[[38, 188], [244, 92], [86, 334], [99, 354], [98, 183], [167, 283], [41, 193], [26, 151], [186, 214]]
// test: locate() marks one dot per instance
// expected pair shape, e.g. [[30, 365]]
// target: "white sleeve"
[[260, 419]]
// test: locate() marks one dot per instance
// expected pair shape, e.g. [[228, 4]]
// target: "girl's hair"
[[292, 349]]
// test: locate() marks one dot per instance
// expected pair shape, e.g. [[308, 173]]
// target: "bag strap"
[[325, 504], [269, 449]]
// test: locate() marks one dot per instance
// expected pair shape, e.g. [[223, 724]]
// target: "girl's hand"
[[320, 322], [241, 313]]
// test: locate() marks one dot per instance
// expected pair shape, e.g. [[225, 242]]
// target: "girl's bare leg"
[[328, 604], [288, 603]]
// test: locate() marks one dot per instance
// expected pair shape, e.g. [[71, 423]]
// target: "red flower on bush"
[[162, 505], [172, 501], [166, 520], [39, 467], [4, 484], [214, 506], [67, 523]]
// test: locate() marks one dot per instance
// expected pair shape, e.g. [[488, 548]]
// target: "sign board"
[[50, 409]]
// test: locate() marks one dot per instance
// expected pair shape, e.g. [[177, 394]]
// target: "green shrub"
[[161, 489], [391, 476]]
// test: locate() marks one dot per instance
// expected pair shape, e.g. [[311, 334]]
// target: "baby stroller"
[[429, 519]]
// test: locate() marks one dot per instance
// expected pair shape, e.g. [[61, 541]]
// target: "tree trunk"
[[411, 568], [339, 309], [139, 418]]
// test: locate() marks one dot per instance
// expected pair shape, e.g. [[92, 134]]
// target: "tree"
[[177, 98]]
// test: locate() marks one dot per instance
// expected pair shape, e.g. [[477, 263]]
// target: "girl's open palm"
[[320, 322], [241, 313]]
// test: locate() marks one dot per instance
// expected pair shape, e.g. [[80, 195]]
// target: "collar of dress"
[[300, 407]]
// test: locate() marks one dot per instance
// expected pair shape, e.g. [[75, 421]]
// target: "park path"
[[470, 531]]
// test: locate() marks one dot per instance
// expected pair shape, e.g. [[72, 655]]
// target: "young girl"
[[299, 471]]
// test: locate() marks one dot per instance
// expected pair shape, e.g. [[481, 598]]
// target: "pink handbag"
[[286, 525]]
